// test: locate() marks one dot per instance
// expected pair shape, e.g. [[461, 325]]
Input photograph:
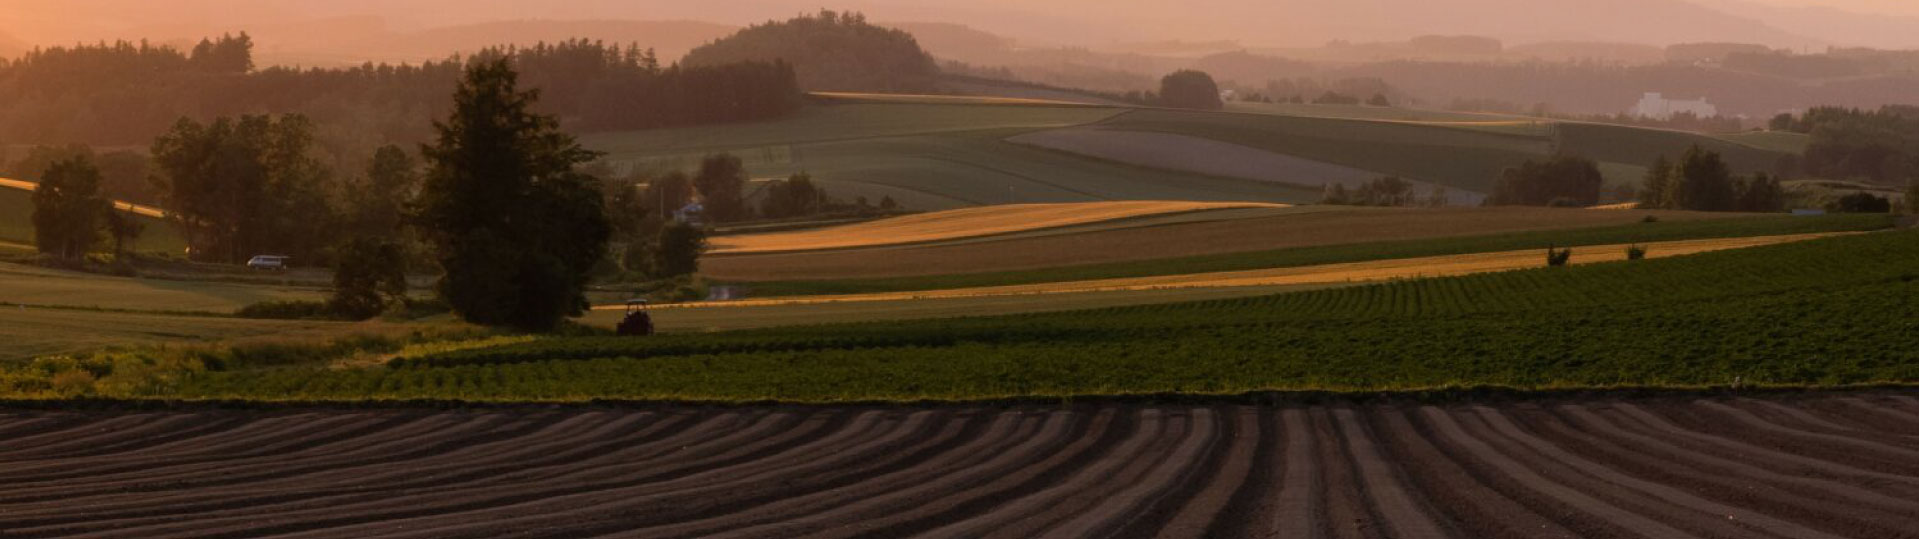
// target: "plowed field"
[[1835, 465]]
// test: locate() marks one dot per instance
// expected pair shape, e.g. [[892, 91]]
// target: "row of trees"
[[127, 93], [1559, 181], [1880, 145], [1702, 181], [1391, 191]]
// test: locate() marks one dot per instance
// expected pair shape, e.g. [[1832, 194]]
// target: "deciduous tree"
[[68, 212]]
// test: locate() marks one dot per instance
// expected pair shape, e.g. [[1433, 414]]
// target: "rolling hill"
[[936, 152]]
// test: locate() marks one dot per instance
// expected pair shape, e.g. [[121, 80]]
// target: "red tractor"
[[637, 322]]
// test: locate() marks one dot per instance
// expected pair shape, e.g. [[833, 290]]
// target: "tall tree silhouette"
[[515, 226]]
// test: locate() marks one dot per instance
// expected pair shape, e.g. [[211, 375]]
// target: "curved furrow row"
[[1810, 466], [639, 503], [872, 493], [766, 433]]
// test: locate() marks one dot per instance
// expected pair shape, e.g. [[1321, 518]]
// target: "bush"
[[1636, 252], [1861, 203], [287, 310], [1558, 257]]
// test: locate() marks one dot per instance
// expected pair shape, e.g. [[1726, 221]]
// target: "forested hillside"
[[126, 93], [832, 52]]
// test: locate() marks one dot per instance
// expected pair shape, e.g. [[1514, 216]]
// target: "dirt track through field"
[[1353, 272], [1832, 465]]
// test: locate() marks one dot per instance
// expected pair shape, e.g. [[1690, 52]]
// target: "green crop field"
[[1828, 312], [1462, 155], [29, 285], [1333, 254], [930, 157], [1365, 112], [1778, 141], [1460, 158]]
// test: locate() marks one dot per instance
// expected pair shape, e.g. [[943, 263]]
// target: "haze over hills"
[[347, 30]]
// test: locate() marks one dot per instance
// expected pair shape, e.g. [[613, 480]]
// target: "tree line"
[[126, 93], [1880, 145]]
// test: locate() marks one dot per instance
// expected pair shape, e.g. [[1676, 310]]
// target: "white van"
[[268, 262]]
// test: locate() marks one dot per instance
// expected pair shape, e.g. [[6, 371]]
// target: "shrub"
[[74, 382], [1558, 257], [287, 310]]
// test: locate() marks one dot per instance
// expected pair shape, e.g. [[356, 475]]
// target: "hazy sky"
[[1896, 7], [1050, 22]]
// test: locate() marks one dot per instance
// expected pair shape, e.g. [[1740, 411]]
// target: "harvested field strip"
[[1585, 468], [137, 209], [965, 223], [1356, 272], [853, 97], [1303, 236]]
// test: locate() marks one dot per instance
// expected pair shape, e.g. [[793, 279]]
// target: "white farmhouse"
[[1655, 105]]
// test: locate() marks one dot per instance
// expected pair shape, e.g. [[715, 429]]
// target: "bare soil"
[[1816, 465]]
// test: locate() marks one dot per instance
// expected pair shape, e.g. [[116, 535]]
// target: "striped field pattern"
[[1831, 465]]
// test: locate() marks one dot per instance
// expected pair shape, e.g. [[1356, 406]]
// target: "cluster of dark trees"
[[1189, 89], [1563, 180], [1879, 145], [830, 52], [70, 216], [242, 187], [1391, 191], [1702, 181], [126, 93]]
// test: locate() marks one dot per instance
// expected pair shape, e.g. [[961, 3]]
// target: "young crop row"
[[1824, 264], [1837, 311], [1858, 335]]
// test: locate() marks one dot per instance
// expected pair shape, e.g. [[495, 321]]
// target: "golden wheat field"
[[962, 223], [1326, 274]]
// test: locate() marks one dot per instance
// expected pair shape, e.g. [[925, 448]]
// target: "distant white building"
[[1655, 105]]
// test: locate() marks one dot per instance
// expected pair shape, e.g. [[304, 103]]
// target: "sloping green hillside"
[[937, 154]]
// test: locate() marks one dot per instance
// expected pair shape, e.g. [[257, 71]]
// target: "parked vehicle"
[[268, 263]]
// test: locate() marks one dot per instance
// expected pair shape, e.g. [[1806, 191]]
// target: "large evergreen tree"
[[68, 213], [515, 226]]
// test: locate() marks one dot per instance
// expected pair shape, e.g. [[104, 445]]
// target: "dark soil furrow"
[[1402, 514], [867, 493], [1715, 480], [1796, 465], [587, 513], [1751, 523], [1471, 507]]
